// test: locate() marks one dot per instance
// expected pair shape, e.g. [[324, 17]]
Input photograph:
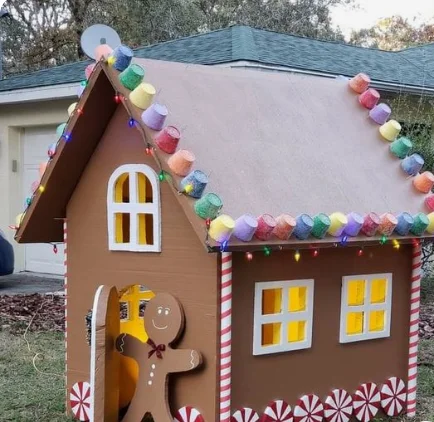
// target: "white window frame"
[[366, 308], [134, 208], [283, 317]]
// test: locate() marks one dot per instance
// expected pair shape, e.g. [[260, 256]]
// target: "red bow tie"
[[156, 349]]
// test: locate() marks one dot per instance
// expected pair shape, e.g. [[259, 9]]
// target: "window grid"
[[133, 208], [366, 308], [284, 317]]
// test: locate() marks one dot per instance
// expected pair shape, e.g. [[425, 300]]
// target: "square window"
[[296, 331], [271, 301], [366, 306], [283, 316], [297, 299], [271, 333]]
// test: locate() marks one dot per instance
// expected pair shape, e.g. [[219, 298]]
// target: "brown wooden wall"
[[256, 380], [183, 269]]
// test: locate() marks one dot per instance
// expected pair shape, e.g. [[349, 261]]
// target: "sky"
[[369, 11]]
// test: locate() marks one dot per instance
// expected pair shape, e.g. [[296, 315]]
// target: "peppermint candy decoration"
[[188, 414], [245, 415], [338, 406], [277, 411], [79, 399], [366, 402], [309, 409], [393, 395]]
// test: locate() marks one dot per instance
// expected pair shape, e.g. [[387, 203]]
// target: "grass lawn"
[[27, 395]]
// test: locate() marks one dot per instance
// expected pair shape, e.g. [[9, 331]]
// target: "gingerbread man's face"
[[164, 318]]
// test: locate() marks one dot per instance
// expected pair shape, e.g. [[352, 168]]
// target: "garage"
[[35, 142]]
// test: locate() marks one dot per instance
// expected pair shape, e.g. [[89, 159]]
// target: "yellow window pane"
[[376, 320], [122, 227], [271, 334], [356, 292], [297, 299], [144, 189], [296, 331], [122, 188], [378, 290], [354, 323], [271, 301]]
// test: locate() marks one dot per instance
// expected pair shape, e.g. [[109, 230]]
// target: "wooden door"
[[104, 365]]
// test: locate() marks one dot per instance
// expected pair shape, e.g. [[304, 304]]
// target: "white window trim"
[[284, 317], [133, 208], [366, 308]]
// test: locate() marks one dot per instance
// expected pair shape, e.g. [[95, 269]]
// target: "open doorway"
[[132, 304]]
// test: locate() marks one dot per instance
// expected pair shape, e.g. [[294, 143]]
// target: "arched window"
[[133, 209]]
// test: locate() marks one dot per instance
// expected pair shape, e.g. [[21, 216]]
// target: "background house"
[[34, 104]]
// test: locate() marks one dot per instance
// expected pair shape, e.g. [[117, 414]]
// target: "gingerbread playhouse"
[[248, 244]]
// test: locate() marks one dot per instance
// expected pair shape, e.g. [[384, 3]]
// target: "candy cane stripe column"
[[225, 337], [65, 287], [416, 275]]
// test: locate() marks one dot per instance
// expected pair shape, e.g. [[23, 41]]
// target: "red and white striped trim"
[[65, 286], [225, 337], [416, 275]]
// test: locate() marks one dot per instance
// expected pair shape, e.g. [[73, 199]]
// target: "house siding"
[[256, 380], [13, 120], [183, 268]]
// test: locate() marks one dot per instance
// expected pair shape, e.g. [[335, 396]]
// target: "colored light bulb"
[[396, 244], [67, 136], [161, 176], [383, 239], [79, 111], [315, 253], [41, 188], [188, 188], [55, 249], [267, 251], [117, 99], [111, 60], [83, 83], [208, 222], [249, 256], [360, 252], [297, 256], [224, 246], [131, 122], [148, 151], [344, 240]]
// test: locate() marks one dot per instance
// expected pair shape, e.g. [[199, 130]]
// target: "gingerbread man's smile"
[[160, 312], [158, 328]]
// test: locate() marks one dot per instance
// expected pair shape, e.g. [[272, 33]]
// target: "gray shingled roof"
[[413, 66]]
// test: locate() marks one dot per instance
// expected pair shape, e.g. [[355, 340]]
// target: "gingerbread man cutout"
[[164, 322]]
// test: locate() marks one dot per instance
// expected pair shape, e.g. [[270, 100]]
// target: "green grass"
[[29, 395], [26, 394]]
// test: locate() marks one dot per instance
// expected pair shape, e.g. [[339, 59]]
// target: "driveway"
[[29, 283]]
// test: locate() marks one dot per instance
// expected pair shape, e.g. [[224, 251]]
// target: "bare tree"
[[47, 33]]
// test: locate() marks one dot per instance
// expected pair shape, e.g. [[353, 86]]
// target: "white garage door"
[[39, 257]]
